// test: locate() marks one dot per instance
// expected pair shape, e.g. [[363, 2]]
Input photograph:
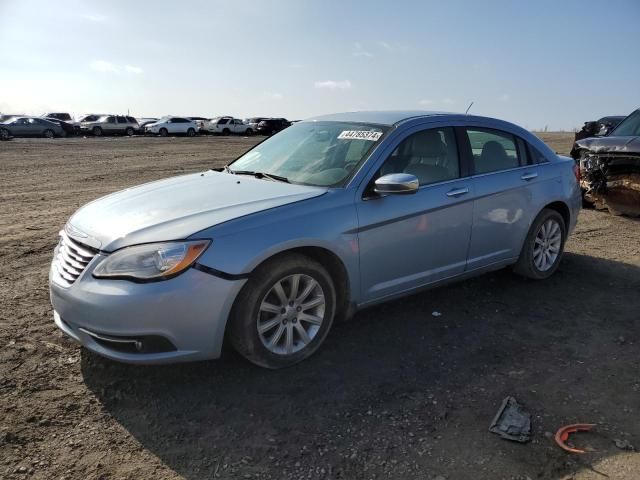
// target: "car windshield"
[[629, 127], [313, 153]]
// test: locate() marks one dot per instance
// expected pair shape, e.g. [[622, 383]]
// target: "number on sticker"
[[360, 135]]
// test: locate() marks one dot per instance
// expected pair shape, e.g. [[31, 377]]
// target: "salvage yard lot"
[[394, 393]]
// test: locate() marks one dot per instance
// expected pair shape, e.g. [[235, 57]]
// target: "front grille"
[[70, 259]]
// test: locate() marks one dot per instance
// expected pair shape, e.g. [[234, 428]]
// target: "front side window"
[[492, 150], [313, 153], [122, 120], [111, 119], [431, 155], [629, 127]]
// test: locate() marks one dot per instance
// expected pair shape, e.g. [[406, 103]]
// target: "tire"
[[191, 132], [48, 133], [4, 134], [226, 132], [129, 132], [539, 266], [97, 131], [164, 132], [249, 312], [249, 132]]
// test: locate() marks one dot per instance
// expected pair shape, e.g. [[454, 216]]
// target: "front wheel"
[[226, 132], [543, 247], [164, 132], [284, 312], [4, 134], [97, 131], [129, 132], [248, 132], [191, 132]]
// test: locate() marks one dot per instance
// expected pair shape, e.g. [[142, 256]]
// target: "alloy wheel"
[[547, 244], [291, 314]]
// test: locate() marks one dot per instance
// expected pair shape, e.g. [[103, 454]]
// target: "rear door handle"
[[456, 192], [529, 176]]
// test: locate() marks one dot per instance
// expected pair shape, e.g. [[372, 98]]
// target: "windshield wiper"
[[268, 176]]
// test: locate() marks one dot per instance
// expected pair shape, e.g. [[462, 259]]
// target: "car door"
[[502, 181], [121, 124], [410, 240], [110, 125], [21, 127]]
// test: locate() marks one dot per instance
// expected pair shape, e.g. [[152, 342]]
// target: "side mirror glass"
[[396, 183]]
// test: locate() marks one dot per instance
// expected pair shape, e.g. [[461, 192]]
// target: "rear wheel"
[[284, 312], [226, 132], [191, 132], [48, 133], [248, 132], [97, 131], [129, 131], [4, 134], [543, 246], [164, 132]]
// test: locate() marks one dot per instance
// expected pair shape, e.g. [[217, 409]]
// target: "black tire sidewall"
[[243, 329], [164, 132], [97, 131], [191, 132], [526, 266], [48, 133], [129, 132]]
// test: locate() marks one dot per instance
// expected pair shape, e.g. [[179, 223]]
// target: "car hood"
[[610, 144], [178, 207]]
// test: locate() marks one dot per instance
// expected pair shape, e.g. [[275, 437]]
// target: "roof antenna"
[[468, 108]]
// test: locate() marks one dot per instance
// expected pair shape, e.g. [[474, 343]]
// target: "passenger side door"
[[410, 240], [502, 181]]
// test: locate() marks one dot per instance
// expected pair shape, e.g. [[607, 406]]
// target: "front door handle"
[[529, 176], [456, 192]]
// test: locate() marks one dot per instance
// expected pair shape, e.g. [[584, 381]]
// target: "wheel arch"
[[563, 209], [334, 265]]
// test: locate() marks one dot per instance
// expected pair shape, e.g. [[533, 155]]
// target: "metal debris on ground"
[[562, 435], [512, 422], [435, 313], [624, 445]]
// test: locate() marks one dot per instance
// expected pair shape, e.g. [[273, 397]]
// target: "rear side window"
[[131, 120], [121, 120], [223, 121], [536, 156], [431, 155], [492, 150]]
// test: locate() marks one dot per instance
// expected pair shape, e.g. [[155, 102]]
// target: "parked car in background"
[[110, 125], [29, 127], [598, 128], [610, 167], [199, 122], [271, 126], [143, 122], [333, 214], [254, 121], [67, 127], [65, 117], [172, 126], [227, 126]]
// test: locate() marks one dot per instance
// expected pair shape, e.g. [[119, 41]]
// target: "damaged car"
[[610, 168]]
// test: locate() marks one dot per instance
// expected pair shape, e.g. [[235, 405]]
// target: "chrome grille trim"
[[70, 259]]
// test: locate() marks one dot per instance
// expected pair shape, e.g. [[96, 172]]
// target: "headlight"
[[151, 262]]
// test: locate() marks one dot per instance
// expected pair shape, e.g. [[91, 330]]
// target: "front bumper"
[[185, 316]]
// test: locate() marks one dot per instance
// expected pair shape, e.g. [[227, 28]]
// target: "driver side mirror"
[[395, 183]]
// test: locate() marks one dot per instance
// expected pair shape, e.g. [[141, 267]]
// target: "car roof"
[[381, 117]]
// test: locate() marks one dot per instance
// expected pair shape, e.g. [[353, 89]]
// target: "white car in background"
[[227, 126], [172, 126]]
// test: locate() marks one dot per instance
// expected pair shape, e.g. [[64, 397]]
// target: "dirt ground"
[[394, 393]]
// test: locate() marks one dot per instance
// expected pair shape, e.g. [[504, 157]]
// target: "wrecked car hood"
[[610, 144], [178, 207]]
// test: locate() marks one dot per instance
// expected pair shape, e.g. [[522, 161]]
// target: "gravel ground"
[[394, 393]]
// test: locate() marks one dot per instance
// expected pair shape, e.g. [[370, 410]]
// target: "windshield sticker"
[[360, 135]]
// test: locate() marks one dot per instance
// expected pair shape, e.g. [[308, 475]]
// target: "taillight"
[[576, 172]]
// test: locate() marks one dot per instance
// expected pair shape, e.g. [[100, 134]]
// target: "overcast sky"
[[536, 63]]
